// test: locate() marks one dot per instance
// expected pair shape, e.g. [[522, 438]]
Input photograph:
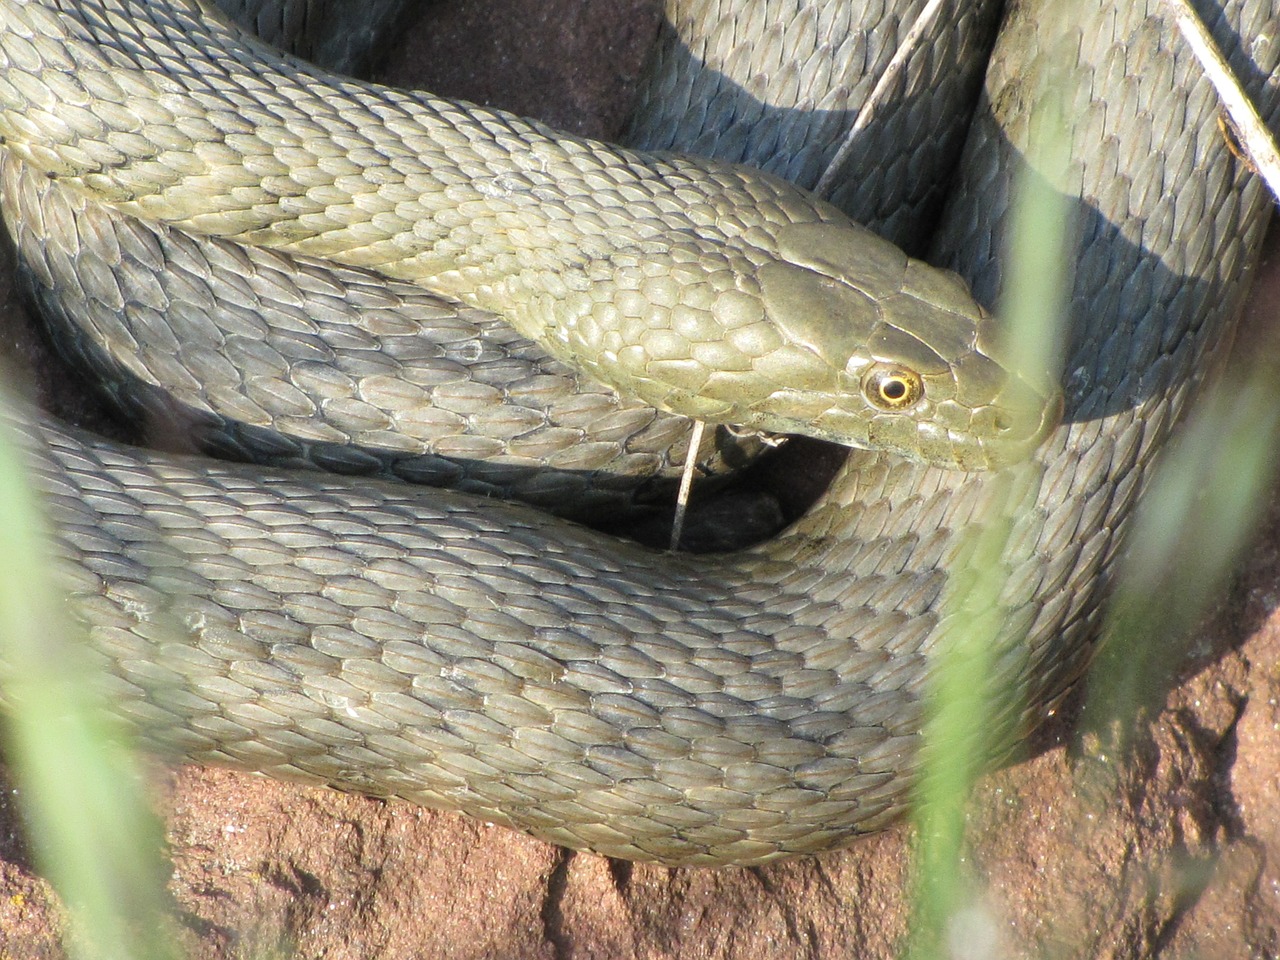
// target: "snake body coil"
[[484, 657]]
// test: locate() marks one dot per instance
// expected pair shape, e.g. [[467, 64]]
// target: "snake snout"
[[1011, 428], [906, 342]]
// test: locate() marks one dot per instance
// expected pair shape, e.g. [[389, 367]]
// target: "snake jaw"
[[885, 352]]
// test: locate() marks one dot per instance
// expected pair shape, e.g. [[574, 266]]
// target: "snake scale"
[[484, 657]]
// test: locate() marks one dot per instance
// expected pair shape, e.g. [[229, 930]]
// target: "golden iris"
[[891, 387]]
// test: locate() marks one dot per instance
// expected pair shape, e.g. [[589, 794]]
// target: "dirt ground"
[[1178, 857]]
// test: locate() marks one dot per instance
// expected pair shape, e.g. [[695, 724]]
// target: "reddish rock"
[[1175, 852]]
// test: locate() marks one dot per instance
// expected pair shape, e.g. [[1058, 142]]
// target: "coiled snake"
[[485, 657]]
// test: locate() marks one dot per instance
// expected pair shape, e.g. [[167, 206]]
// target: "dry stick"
[[896, 65], [686, 482], [1255, 138]]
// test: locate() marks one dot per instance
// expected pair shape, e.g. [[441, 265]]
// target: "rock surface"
[[1174, 853]]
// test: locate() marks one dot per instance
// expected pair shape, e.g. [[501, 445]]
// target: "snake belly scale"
[[699, 710]]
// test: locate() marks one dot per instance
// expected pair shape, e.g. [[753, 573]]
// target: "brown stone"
[[1174, 852]]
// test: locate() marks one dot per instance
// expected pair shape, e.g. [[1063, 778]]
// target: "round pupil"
[[893, 389]]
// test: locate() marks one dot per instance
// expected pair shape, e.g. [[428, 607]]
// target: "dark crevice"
[[294, 880], [552, 918], [620, 872], [801, 931], [1220, 796]]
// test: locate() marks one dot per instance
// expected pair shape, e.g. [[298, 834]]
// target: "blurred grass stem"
[[92, 833]]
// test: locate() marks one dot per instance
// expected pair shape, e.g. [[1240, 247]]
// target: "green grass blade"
[[1191, 527], [81, 792], [962, 730]]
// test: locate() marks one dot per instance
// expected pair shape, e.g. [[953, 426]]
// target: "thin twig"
[[686, 484], [1255, 138], [909, 43]]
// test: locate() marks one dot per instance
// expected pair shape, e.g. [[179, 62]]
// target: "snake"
[[486, 657]]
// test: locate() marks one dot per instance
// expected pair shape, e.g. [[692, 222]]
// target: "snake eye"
[[892, 388]]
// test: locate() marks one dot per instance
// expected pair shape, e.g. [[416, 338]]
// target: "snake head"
[[830, 331], [876, 350]]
